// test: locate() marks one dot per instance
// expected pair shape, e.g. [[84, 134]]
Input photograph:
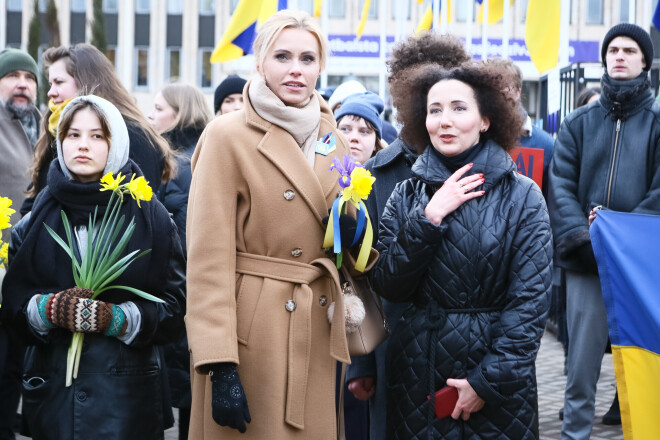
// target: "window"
[[110, 6], [142, 6], [175, 7], [307, 6], [43, 5], [206, 69], [624, 8], [78, 5], [207, 7], [141, 67], [595, 12], [14, 6], [173, 64], [373, 9], [336, 8], [395, 8]]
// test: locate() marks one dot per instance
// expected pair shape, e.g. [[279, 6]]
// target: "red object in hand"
[[445, 401]]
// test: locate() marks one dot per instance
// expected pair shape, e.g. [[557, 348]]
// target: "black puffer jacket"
[[480, 286], [606, 153]]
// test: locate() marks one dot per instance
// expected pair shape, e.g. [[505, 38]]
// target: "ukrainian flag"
[[627, 249], [426, 22], [542, 33], [242, 29]]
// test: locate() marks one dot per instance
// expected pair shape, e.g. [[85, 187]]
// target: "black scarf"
[[183, 139], [623, 98], [42, 266], [453, 163]]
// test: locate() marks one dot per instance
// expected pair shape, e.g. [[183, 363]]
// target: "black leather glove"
[[347, 228], [229, 403], [585, 255]]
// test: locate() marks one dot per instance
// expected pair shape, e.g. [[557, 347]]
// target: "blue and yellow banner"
[[627, 249], [242, 29]]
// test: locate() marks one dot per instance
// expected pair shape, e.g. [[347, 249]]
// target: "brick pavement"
[[551, 382]]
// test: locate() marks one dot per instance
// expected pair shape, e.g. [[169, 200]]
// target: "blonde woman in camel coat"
[[259, 282]]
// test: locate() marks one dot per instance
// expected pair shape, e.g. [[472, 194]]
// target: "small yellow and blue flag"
[[242, 29], [495, 11], [627, 250]]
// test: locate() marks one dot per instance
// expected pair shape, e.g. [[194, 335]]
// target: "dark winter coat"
[[608, 154], [389, 166], [480, 285], [174, 196], [145, 154], [120, 392]]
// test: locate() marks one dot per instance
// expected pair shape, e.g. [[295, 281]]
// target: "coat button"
[[458, 365], [81, 396], [323, 300], [290, 305], [462, 296], [289, 194], [296, 252]]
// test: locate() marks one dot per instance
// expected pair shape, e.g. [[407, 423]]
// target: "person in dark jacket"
[[367, 375], [607, 154], [78, 70], [119, 392], [467, 240], [181, 112]]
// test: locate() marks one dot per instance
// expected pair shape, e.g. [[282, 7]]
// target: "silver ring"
[[462, 184]]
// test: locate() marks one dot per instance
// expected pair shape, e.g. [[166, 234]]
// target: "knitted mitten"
[[73, 310]]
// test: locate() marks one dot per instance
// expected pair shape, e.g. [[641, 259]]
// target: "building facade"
[[154, 42]]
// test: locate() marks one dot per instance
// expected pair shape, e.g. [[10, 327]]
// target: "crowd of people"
[[233, 226]]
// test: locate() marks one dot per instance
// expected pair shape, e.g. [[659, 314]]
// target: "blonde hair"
[[190, 106], [287, 19]]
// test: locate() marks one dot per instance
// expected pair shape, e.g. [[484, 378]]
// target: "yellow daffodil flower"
[[5, 212], [4, 249], [111, 184], [139, 189], [360, 187]]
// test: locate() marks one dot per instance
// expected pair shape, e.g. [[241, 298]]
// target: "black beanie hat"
[[635, 32], [231, 84]]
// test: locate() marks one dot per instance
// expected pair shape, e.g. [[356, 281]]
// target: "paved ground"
[[551, 382]]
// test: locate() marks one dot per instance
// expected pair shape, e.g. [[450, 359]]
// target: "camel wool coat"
[[259, 282]]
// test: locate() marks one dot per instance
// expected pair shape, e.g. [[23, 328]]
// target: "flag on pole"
[[241, 31], [363, 18], [542, 33], [317, 8], [656, 17], [426, 22], [627, 249], [495, 11]]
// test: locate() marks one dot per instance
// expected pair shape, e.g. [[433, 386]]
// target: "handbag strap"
[[341, 425]]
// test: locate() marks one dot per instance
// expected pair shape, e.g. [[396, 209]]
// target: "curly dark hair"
[[446, 50], [410, 94]]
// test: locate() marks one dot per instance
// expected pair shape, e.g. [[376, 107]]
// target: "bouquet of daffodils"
[[356, 183], [102, 263], [5, 212]]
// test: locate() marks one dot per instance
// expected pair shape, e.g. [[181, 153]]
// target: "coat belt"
[[300, 333]]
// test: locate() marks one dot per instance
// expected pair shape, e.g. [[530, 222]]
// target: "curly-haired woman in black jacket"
[[467, 240]]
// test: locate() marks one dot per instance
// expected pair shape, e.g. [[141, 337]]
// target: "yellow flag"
[[317, 8], [363, 19], [427, 19], [542, 33], [495, 11]]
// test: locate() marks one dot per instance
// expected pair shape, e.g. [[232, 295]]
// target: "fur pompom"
[[353, 310]]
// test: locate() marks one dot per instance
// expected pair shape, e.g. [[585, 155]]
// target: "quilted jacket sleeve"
[[406, 243], [509, 365]]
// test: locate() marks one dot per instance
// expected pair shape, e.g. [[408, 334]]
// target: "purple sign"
[[369, 47]]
